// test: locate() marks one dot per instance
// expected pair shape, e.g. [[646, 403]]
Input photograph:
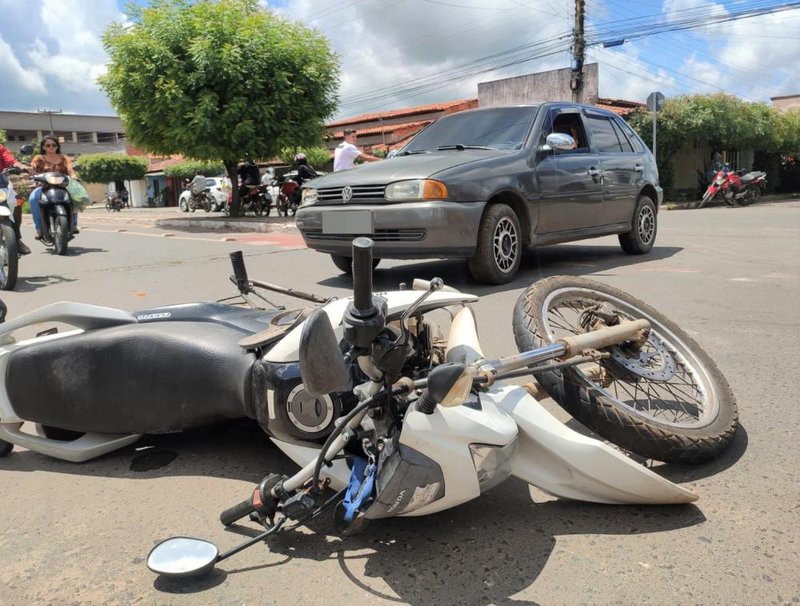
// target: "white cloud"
[[14, 76]]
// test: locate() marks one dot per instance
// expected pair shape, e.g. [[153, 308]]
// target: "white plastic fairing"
[[88, 446], [567, 464], [288, 348], [445, 437], [463, 345], [5, 211]]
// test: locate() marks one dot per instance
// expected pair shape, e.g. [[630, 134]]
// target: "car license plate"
[[347, 222]]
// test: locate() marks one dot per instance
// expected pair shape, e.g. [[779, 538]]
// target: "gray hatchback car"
[[485, 184]]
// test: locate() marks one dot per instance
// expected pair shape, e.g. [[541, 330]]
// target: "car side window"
[[631, 134], [623, 140], [603, 134], [572, 125]]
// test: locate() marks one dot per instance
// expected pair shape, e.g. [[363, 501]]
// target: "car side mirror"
[[558, 142], [321, 364]]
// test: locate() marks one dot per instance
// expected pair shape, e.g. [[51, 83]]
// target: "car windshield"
[[497, 128]]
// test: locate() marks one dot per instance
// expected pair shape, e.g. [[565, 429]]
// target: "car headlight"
[[416, 189], [309, 196]]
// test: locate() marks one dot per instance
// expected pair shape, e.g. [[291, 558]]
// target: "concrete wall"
[[536, 88]]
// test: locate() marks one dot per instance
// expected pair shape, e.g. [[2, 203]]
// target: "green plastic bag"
[[78, 194]]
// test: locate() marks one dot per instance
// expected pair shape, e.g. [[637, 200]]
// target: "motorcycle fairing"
[[568, 464], [55, 195]]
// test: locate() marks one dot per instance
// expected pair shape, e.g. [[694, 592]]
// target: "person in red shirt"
[[7, 160]]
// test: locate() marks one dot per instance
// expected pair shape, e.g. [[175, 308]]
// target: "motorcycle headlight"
[[309, 196], [416, 189], [55, 180], [492, 463], [3, 195]]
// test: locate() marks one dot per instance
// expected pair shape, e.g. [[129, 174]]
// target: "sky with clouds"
[[400, 53]]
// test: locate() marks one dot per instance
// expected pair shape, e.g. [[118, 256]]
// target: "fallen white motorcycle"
[[432, 426]]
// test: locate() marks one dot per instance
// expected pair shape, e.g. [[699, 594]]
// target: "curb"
[[764, 200], [228, 224]]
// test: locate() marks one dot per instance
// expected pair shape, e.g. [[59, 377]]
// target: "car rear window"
[[498, 128], [605, 139]]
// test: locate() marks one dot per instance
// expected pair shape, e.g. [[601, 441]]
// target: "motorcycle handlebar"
[[237, 512], [240, 271], [362, 274]]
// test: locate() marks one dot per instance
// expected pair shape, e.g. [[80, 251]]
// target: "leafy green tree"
[[723, 120], [3, 138], [103, 168], [316, 156], [219, 80], [189, 168]]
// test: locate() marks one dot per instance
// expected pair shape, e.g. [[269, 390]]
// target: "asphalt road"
[[79, 533]]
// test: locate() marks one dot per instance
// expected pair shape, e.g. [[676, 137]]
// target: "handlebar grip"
[[362, 274], [240, 271], [230, 515], [419, 284]]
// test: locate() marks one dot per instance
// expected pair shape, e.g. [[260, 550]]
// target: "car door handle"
[[639, 168], [595, 172]]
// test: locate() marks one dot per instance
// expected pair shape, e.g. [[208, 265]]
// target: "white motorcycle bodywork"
[[512, 431]]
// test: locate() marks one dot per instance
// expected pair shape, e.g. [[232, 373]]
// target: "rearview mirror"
[[321, 364], [558, 142], [182, 557], [26, 150]]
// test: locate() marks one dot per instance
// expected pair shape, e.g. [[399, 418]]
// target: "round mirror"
[[182, 556]]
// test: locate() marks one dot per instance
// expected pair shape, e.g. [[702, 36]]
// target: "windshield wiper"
[[461, 147], [414, 152]]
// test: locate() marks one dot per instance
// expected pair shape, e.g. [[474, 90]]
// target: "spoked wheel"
[[60, 234], [751, 196], [665, 400], [9, 257]]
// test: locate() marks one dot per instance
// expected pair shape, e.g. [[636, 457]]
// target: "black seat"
[[136, 378]]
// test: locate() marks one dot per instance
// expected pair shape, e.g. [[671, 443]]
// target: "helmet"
[[300, 157]]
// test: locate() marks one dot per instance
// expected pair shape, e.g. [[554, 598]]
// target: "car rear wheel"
[[345, 264], [640, 239], [497, 257]]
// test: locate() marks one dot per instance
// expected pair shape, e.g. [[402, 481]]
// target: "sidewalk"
[[768, 199], [172, 217]]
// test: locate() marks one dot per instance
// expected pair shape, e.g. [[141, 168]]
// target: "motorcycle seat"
[[136, 378]]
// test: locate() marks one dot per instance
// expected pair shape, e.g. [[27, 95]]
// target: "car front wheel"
[[640, 239], [497, 257]]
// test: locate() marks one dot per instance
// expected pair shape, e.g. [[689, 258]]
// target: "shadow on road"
[[32, 283], [540, 263]]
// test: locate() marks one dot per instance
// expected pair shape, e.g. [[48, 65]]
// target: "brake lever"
[[434, 285]]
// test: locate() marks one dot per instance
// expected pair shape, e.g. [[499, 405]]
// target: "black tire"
[[619, 397], [5, 448], [183, 205], [109, 208], [644, 227], [751, 197], [345, 264], [9, 257], [499, 250], [60, 234]]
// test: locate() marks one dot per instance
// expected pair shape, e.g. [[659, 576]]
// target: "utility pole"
[[578, 51], [50, 113]]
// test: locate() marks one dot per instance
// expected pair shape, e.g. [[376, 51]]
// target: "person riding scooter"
[[7, 160]]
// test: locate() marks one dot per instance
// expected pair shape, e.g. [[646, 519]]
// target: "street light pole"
[[50, 113]]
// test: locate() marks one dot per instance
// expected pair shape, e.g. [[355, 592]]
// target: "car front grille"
[[380, 235], [333, 195]]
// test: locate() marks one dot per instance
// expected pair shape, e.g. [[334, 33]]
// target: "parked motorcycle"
[[740, 188], [200, 195], [115, 203], [288, 195], [9, 248], [256, 199]]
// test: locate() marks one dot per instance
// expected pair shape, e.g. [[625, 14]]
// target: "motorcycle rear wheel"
[[9, 257], [666, 401], [751, 196]]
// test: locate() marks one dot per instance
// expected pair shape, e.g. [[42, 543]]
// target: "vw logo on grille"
[[347, 193]]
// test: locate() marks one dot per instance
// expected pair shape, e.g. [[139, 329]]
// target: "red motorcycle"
[[740, 188]]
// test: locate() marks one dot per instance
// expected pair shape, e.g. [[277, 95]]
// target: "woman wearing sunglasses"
[[49, 159]]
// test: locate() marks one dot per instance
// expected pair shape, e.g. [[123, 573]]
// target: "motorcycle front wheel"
[[665, 400], [9, 257], [60, 234]]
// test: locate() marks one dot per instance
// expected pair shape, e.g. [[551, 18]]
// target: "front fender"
[[568, 464]]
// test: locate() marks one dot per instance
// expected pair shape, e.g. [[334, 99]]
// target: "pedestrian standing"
[[346, 153]]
